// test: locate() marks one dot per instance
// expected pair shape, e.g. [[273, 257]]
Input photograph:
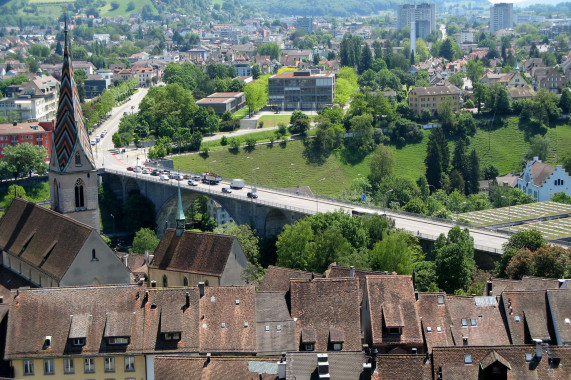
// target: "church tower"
[[72, 170]]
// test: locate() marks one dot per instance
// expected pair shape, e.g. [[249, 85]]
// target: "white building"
[[541, 181], [218, 213], [501, 17]]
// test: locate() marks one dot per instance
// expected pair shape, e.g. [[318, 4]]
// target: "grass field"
[[54, 7], [503, 147]]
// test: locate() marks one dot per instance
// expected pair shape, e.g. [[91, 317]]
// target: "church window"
[[77, 159], [79, 194], [56, 196], [185, 281]]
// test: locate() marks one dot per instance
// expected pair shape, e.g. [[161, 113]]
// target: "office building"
[[301, 90]]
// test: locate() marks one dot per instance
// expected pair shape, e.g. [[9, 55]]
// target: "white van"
[[237, 184], [164, 177]]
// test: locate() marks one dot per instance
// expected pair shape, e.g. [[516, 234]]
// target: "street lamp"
[[386, 198], [254, 179], [509, 212], [298, 178]]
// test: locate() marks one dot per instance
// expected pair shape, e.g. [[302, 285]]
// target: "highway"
[[424, 227]]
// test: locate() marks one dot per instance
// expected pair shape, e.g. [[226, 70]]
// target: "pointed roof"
[[70, 129]]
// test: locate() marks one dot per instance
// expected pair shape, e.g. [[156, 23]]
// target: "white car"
[[93, 142], [146, 171], [137, 169], [192, 183]]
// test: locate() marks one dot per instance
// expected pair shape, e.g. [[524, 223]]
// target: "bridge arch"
[[130, 186], [275, 222]]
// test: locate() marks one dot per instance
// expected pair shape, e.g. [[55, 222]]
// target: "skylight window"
[[464, 322], [467, 359]]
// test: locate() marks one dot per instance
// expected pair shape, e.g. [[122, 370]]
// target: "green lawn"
[[274, 120], [503, 147]]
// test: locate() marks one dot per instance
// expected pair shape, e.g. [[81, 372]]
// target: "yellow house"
[[431, 98]]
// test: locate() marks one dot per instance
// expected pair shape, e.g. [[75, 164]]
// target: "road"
[[106, 158]]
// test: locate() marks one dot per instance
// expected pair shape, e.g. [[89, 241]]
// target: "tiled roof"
[[228, 319], [57, 312], [498, 285], [23, 233], [404, 367], [540, 172], [559, 302], [519, 92], [449, 362], [11, 129], [277, 278], [8, 281], [325, 304], [436, 90], [193, 252], [335, 271], [392, 303], [215, 368], [526, 314], [483, 325], [342, 365], [167, 311], [436, 322], [275, 328]]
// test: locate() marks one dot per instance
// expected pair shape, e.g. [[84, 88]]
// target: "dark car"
[[156, 172], [130, 168], [252, 195]]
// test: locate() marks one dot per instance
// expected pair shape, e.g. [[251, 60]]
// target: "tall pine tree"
[[366, 59], [473, 175]]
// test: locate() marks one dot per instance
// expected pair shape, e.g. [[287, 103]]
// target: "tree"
[[437, 157], [145, 241], [454, 259], [450, 49], [299, 122], [566, 160], [547, 261], [530, 240], [362, 130], [539, 147], [366, 59], [425, 276], [381, 165], [565, 101], [22, 159], [474, 70], [271, 49], [398, 252], [246, 237], [459, 159], [446, 114], [472, 176]]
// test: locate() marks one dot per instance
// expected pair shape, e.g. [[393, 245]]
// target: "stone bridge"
[[266, 217]]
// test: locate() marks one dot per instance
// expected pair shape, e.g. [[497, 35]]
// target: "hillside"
[[333, 176]]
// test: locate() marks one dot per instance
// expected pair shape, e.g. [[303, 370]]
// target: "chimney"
[[282, 367], [15, 123], [147, 257], [489, 288], [187, 296], [201, 289], [538, 351], [312, 276], [351, 271], [208, 355], [323, 366]]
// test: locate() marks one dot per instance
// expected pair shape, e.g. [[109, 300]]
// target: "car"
[[173, 175], [93, 142], [164, 177], [97, 139], [166, 171], [145, 171], [196, 178], [105, 131], [130, 168], [186, 176], [102, 135], [226, 190], [179, 177], [156, 172], [192, 183], [137, 169], [252, 195]]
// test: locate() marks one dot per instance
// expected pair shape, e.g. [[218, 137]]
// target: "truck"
[[237, 184], [211, 178]]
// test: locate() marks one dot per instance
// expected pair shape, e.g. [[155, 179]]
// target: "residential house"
[[123, 74], [495, 286], [145, 75], [218, 213], [541, 181], [521, 92], [68, 253], [275, 328], [432, 98], [243, 69], [39, 134], [194, 257], [327, 314], [389, 315], [353, 365], [192, 367], [551, 80], [278, 278]]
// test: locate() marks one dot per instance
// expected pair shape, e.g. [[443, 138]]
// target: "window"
[[185, 282], [473, 322], [440, 300], [68, 366], [528, 356], [89, 365], [337, 346], [165, 281], [118, 340], [171, 336], [129, 363], [94, 255], [464, 322], [79, 196], [279, 327], [467, 359], [48, 367], [309, 347], [77, 159], [28, 367], [110, 364], [78, 342], [394, 330]]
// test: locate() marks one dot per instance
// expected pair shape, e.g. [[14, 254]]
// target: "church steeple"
[[180, 218], [72, 170]]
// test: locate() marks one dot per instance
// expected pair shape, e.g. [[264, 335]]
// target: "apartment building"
[[301, 90], [31, 133], [431, 98], [32, 100], [501, 17], [423, 15]]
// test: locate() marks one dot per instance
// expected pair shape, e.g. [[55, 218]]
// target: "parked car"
[[179, 177], [145, 171], [173, 175], [156, 172], [130, 168], [196, 178], [252, 195], [226, 190], [192, 183], [186, 176], [164, 177], [93, 142], [137, 169]]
